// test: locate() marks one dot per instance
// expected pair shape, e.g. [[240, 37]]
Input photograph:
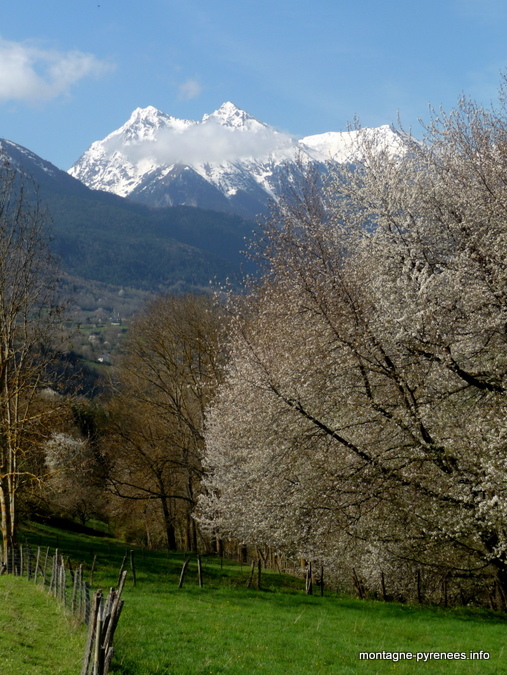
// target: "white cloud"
[[189, 89], [207, 142], [30, 73]]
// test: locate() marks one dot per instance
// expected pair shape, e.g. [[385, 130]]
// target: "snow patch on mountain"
[[342, 146], [9, 150]]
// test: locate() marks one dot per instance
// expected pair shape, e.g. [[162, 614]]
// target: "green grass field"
[[36, 636], [229, 629]]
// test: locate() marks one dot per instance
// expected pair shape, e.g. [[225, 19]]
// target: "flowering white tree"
[[75, 482], [364, 412]]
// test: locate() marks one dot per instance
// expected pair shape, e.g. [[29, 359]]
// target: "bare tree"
[[29, 321], [364, 408], [166, 381]]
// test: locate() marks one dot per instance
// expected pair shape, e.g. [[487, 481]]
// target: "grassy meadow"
[[225, 628], [36, 636]]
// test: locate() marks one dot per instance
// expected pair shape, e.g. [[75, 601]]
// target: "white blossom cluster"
[[64, 452]]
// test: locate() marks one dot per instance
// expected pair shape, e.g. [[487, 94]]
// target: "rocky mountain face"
[[228, 161]]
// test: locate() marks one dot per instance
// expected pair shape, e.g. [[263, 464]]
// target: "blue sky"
[[72, 71]]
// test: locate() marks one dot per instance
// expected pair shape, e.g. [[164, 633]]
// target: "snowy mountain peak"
[[229, 115], [145, 123], [145, 116], [146, 113]]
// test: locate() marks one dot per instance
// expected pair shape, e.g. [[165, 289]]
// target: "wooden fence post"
[[132, 566], [87, 603], [122, 567], [91, 632], [199, 570], [97, 652], [76, 590], [309, 580], [183, 570], [63, 581], [250, 580], [28, 562], [37, 561], [93, 569], [44, 568], [52, 581], [104, 619]]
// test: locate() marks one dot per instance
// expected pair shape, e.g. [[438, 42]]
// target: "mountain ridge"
[[227, 161]]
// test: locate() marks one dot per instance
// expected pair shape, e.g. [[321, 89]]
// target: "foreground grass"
[[231, 632], [36, 637], [227, 629]]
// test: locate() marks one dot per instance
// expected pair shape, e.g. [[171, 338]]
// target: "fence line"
[[68, 587], [103, 621]]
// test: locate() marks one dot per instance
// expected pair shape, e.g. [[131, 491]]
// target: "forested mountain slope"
[[103, 237]]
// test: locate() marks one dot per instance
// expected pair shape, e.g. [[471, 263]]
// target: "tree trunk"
[[501, 583], [500, 565], [7, 510], [193, 534], [169, 525], [5, 529]]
